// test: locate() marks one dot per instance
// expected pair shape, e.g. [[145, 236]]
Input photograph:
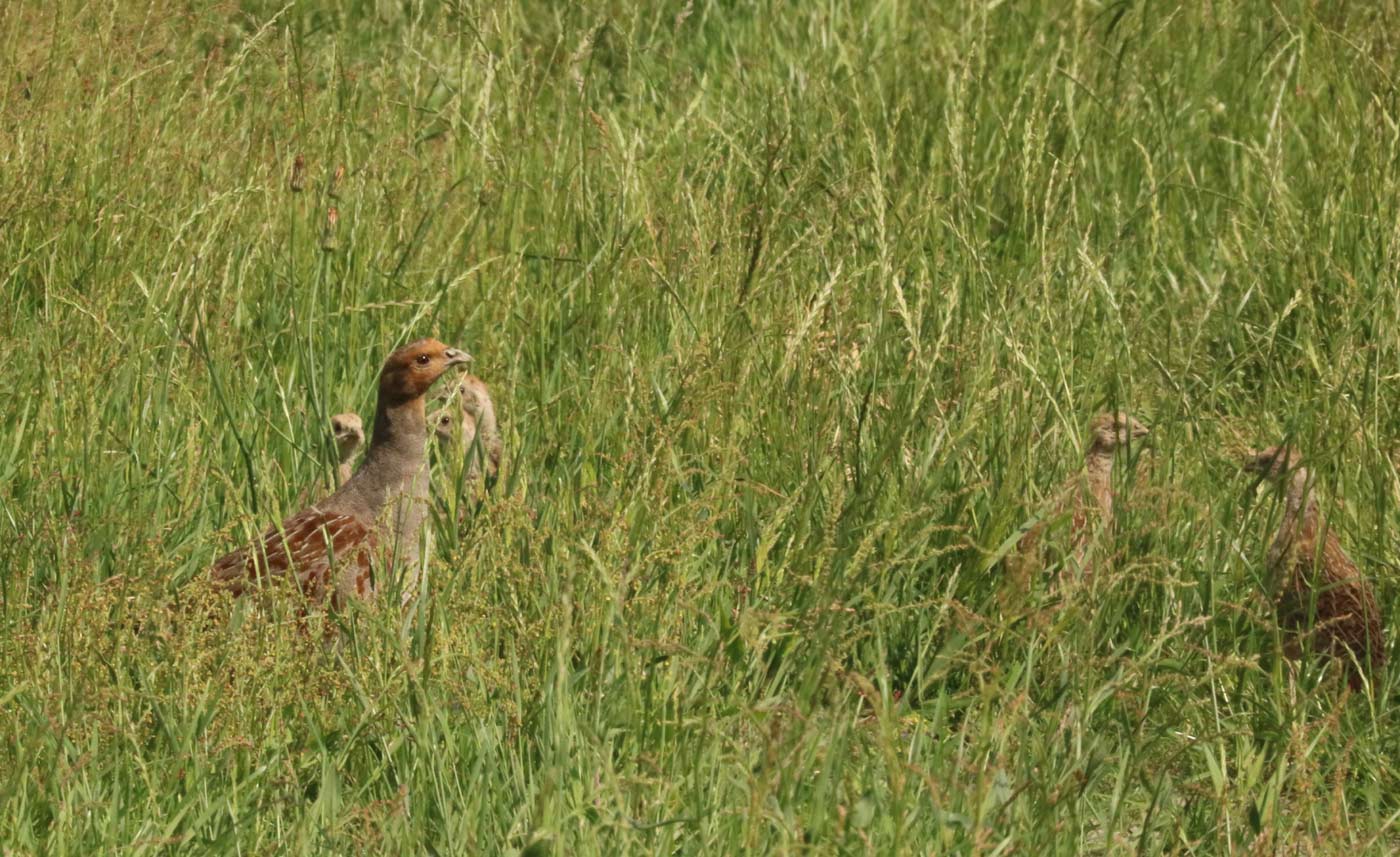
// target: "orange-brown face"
[[410, 371]]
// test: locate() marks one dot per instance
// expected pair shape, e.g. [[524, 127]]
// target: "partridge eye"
[[422, 359]]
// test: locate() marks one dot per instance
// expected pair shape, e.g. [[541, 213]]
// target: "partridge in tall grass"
[[1323, 601], [470, 430], [372, 521], [1086, 498]]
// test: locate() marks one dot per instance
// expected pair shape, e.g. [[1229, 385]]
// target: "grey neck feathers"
[[1098, 477], [396, 422], [394, 458], [1298, 503], [1298, 500], [1099, 463]]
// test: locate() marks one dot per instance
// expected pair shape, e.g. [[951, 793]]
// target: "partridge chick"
[[472, 431], [349, 434], [371, 521], [1323, 601], [444, 424], [1087, 498]]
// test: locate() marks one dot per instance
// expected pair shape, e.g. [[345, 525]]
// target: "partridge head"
[[479, 429], [1273, 463], [349, 435], [411, 370], [474, 398], [1109, 431]]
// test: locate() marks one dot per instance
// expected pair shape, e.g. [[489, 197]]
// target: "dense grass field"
[[795, 314]]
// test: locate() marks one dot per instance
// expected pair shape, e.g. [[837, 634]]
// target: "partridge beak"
[[457, 357]]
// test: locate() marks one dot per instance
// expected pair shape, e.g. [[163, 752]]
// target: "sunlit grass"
[[793, 315]]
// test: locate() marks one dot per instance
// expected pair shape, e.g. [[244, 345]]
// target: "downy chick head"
[[472, 396], [444, 424], [348, 432]]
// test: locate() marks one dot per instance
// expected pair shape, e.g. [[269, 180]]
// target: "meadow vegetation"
[[793, 312]]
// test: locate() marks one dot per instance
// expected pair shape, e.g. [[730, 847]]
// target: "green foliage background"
[[794, 312]]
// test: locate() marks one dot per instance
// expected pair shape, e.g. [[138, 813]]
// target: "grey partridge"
[[371, 522], [1323, 602], [1086, 497]]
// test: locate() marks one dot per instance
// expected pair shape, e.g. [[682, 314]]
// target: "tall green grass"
[[794, 313]]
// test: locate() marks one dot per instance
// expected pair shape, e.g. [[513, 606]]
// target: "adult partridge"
[[1086, 497], [371, 523], [1322, 600]]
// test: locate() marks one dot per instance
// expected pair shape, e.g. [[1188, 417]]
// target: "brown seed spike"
[[297, 182], [1323, 601], [329, 242], [334, 190]]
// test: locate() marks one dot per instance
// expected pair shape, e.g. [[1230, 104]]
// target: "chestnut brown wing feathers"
[[1324, 589], [325, 552], [1084, 501]]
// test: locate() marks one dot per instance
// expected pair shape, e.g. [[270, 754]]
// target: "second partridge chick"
[[1317, 583], [472, 432], [444, 424], [1086, 497]]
